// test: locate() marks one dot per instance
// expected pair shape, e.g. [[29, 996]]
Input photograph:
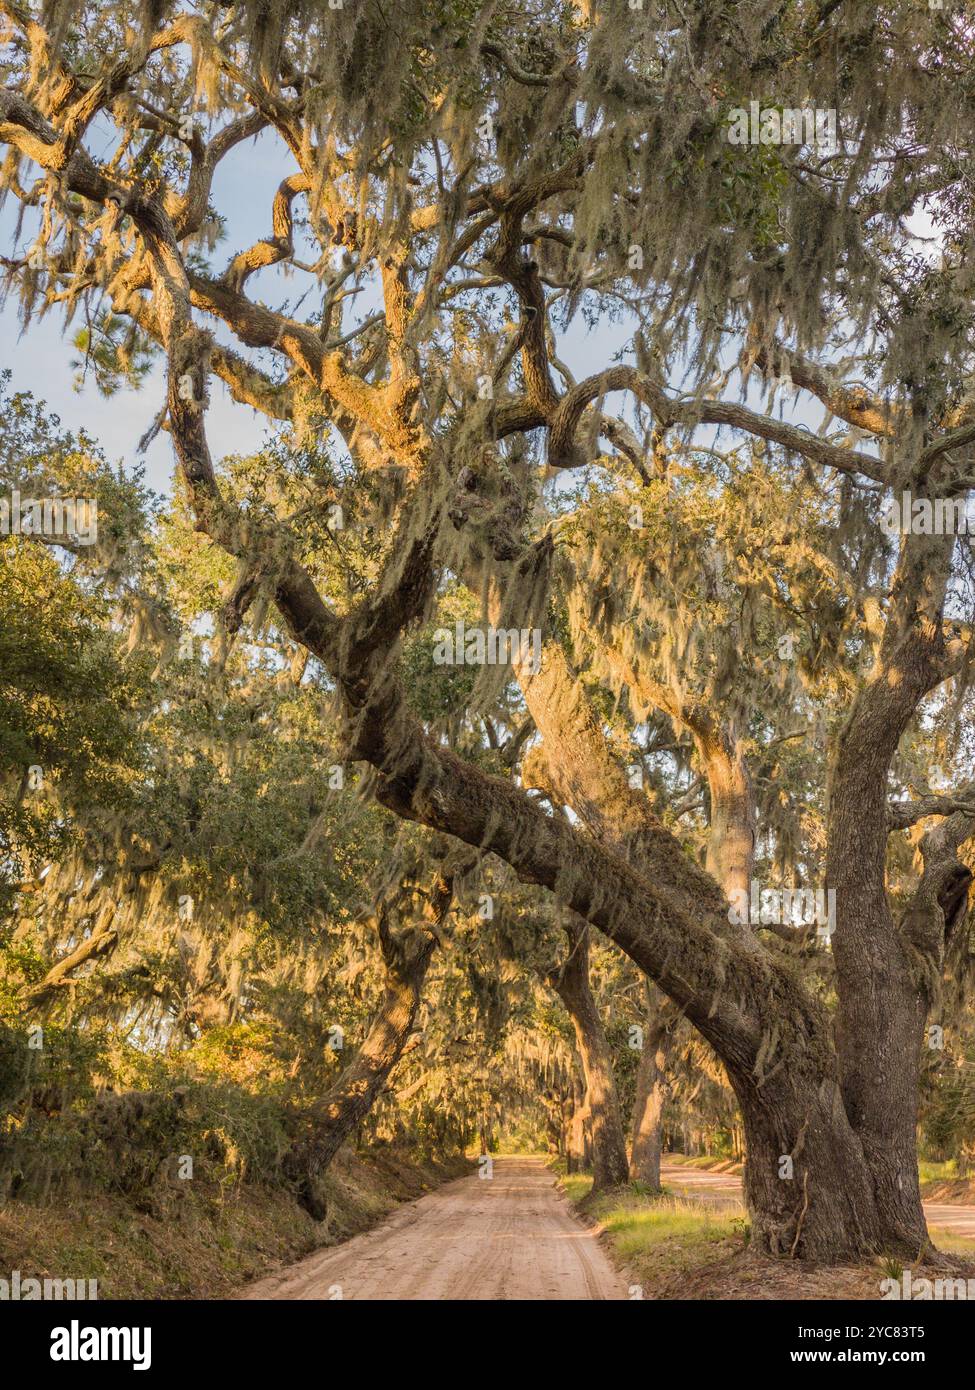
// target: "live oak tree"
[[555, 948], [164, 880], [487, 176]]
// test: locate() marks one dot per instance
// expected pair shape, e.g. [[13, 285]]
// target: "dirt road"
[[508, 1237], [724, 1189]]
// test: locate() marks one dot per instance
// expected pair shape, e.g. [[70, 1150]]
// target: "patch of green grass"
[[576, 1186], [656, 1236], [698, 1161], [953, 1243], [642, 1227], [938, 1172]]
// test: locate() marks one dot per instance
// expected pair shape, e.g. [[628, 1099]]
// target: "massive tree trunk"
[[650, 1095], [633, 882], [571, 983], [648, 1108], [886, 970], [575, 1139], [346, 1104]]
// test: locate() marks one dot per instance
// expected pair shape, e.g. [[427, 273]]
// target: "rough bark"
[[575, 1138], [649, 1097], [571, 983], [731, 838], [886, 969]]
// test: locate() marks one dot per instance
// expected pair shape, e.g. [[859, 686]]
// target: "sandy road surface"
[[725, 1188], [509, 1237]]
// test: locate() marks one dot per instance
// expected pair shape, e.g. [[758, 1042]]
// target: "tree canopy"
[[743, 675]]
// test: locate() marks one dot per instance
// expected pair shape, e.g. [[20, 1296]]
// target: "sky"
[[40, 358], [243, 190]]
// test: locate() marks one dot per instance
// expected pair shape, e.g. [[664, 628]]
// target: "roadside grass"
[[658, 1236], [700, 1161], [941, 1182], [672, 1247], [706, 1162], [953, 1243], [937, 1172]]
